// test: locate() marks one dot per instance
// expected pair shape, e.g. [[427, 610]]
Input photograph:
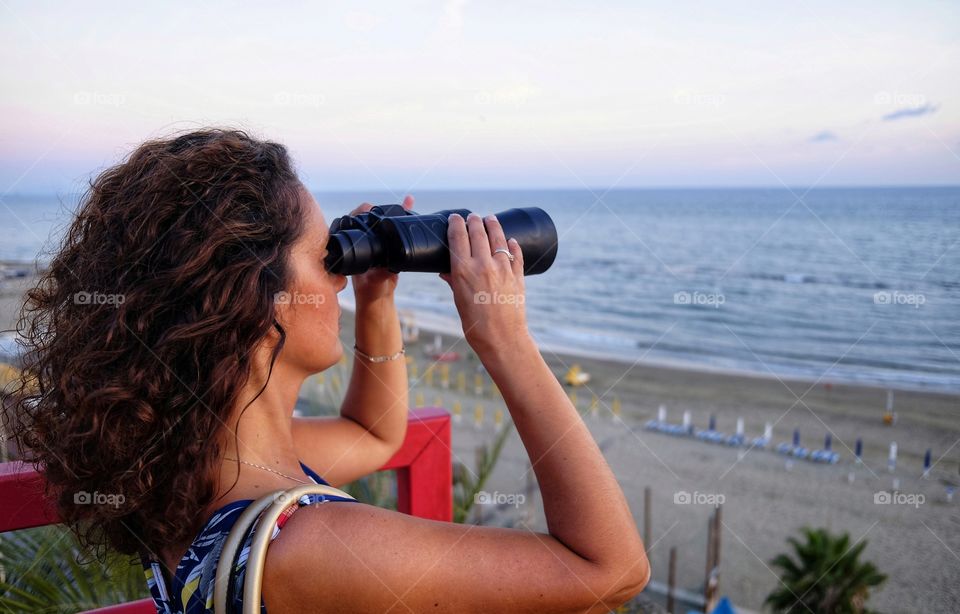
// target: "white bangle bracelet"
[[378, 358]]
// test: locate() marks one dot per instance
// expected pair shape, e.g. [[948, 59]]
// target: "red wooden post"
[[22, 501], [424, 466]]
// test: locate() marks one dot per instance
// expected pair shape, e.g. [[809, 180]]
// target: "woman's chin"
[[337, 354], [329, 359]]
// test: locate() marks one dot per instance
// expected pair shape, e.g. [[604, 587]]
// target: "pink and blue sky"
[[419, 95]]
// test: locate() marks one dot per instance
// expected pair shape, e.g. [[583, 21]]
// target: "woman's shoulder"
[[306, 553], [197, 569]]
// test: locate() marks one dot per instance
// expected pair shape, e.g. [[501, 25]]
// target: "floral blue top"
[[192, 590]]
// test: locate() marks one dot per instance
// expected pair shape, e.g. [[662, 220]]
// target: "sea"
[[838, 285]]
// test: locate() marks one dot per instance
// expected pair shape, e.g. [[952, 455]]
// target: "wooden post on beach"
[[717, 532], [712, 580], [647, 504], [672, 579], [889, 416], [709, 566]]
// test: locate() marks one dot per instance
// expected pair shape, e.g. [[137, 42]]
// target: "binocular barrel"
[[392, 237]]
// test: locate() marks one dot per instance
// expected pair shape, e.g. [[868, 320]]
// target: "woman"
[[167, 344]]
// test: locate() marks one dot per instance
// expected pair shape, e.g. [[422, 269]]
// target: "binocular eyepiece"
[[400, 240]]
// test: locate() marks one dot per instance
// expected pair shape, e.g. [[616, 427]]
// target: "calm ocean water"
[[839, 284]]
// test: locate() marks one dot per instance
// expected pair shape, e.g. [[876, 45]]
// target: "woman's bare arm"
[[377, 396], [353, 557], [365, 559], [584, 506]]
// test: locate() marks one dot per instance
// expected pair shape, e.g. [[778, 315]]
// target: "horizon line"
[[594, 188]]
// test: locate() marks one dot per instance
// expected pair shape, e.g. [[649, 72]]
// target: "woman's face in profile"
[[308, 310]]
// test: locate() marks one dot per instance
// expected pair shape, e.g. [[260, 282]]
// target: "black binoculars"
[[401, 240]]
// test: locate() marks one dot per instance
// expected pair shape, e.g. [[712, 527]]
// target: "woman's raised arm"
[[361, 558]]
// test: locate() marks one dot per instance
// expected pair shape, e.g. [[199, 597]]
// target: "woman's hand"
[[488, 289], [377, 283]]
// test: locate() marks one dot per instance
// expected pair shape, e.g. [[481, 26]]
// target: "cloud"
[[823, 137], [452, 17], [926, 109]]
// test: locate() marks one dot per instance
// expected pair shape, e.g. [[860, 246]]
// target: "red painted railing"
[[424, 486]]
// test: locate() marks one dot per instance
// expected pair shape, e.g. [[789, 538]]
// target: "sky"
[[464, 95]]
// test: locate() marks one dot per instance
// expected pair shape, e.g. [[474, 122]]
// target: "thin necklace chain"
[[289, 477]]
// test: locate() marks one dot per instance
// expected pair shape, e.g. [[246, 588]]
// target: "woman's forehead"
[[315, 221]]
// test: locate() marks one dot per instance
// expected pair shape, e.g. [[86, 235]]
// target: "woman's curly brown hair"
[[137, 339]]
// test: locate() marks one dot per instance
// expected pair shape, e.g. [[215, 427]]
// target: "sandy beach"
[[766, 497]]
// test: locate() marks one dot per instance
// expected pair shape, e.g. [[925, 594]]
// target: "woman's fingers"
[[362, 209], [488, 298], [517, 263], [407, 204], [479, 243], [497, 240], [458, 241], [478, 238]]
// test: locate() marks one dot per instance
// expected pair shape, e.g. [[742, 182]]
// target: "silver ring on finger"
[[505, 251]]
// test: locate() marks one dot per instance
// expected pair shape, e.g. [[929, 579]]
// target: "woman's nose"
[[342, 282]]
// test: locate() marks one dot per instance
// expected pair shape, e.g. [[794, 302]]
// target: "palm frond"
[[825, 574], [44, 572]]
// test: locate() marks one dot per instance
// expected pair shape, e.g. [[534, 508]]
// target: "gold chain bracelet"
[[379, 358]]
